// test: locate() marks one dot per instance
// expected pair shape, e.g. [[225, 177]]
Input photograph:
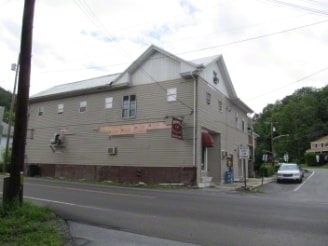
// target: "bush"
[[267, 169], [310, 159]]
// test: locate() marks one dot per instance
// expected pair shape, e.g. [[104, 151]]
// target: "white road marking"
[[300, 186], [46, 200]]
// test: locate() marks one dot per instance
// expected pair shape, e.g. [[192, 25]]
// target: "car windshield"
[[288, 167]]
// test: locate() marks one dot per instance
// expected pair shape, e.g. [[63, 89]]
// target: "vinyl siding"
[[157, 68], [84, 144]]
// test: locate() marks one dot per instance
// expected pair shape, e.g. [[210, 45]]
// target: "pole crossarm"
[[280, 136]]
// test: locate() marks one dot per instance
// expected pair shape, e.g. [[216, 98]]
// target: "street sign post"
[[244, 154]]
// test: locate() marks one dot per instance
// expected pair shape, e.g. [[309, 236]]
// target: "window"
[[83, 106], [40, 111], [243, 125], [129, 109], [108, 102], [60, 108], [29, 133], [220, 105], [237, 120], [208, 98], [171, 94]]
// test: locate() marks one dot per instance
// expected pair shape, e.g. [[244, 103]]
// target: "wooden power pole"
[[15, 186]]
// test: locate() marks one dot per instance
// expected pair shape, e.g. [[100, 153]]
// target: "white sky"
[[79, 39]]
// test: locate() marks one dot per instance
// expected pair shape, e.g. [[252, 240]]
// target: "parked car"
[[290, 172]]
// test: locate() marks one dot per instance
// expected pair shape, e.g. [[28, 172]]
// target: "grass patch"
[[305, 166], [29, 225]]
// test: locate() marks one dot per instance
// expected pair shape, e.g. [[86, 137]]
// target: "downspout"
[[195, 77]]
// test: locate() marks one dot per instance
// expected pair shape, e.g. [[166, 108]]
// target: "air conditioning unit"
[[57, 140], [112, 150]]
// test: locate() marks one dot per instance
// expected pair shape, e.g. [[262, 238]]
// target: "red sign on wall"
[[176, 131]]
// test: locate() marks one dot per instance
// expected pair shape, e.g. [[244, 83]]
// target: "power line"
[[297, 81], [296, 6], [91, 15], [257, 37], [206, 48], [5, 2]]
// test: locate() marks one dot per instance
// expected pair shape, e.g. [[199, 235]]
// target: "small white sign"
[[243, 152]]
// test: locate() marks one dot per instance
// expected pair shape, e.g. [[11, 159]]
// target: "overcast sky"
[[271, 48]]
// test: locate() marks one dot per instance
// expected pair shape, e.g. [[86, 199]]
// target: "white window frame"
[[83, 106], [171, 94], [60, 108], [237, 120], [40, 111], [220, 105], [208, 98], [109, 102], [129, 106]]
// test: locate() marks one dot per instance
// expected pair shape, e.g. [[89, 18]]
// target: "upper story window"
[[243, 125], [237, 120], [171, 94], [129, 107], [208, 98], [220, 105], [108, 102], [40, 111], [60, 109], [83, 106]]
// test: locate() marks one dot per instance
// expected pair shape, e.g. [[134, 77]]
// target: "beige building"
[[319, 146], [163, 120]]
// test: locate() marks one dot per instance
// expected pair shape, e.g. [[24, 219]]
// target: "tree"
[[303, 115], [5, 101]]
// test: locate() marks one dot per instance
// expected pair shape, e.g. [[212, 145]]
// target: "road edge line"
[[301, 185]]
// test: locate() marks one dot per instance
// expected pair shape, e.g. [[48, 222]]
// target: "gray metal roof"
[[103, 80], [205, 60], [78, 85]]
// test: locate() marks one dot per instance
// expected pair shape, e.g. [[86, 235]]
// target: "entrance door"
[[204, 159]]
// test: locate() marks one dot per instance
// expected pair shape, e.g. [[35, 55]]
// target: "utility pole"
[[272, 130], [14, 67], [15, 189]]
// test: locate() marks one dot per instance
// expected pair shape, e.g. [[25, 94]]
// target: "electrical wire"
[[298, 7], [257, 37], [283, 87], [91, 15], [5, 2]]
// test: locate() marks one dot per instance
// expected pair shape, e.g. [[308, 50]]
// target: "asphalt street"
[[282, 214]]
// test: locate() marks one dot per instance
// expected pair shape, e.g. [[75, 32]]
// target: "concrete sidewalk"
[[251, 184], [88, 235]]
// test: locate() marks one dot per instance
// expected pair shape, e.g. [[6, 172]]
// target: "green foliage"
[[311, 161], [303, 115], [267, 169], [5, 98], [28, 225], [5, 101]]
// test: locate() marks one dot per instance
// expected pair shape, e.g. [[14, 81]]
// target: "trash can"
[[228, 177]]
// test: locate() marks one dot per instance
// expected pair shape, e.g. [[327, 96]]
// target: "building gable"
[[155, 65]]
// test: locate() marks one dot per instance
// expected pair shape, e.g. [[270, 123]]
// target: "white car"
[[290, 172]]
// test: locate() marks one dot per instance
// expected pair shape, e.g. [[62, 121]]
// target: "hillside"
[[301, 117]]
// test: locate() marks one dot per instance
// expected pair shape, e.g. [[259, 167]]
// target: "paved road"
[[284, 214]]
